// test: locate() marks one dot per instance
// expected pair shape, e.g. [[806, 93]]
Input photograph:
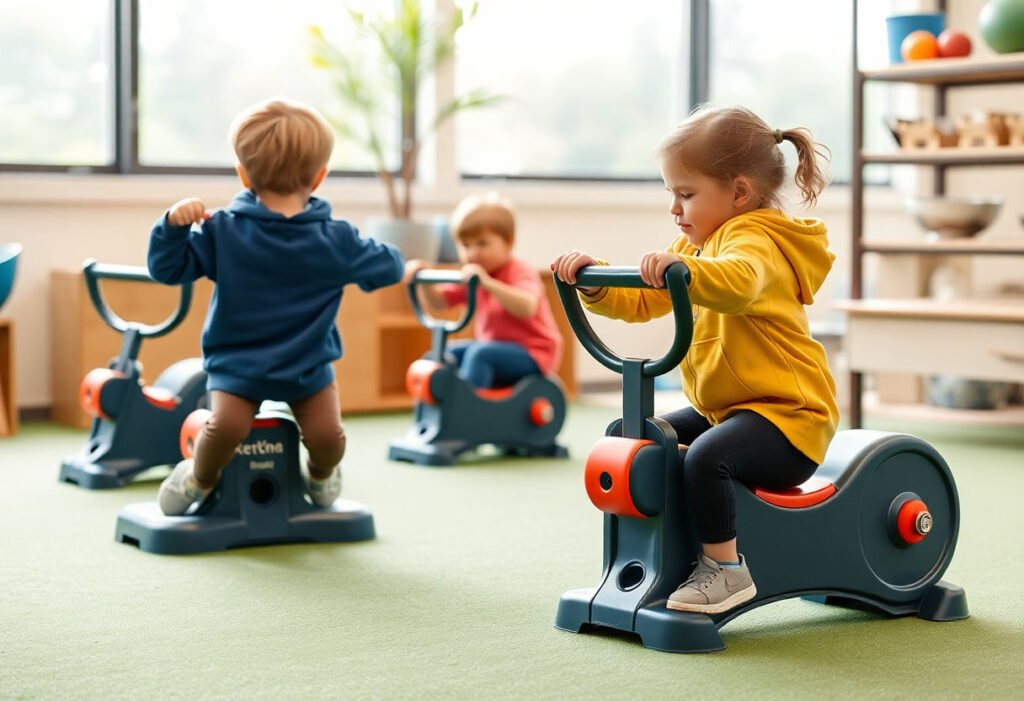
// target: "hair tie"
[[778, 136]]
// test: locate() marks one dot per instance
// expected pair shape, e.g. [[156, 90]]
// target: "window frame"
[[125, 126]]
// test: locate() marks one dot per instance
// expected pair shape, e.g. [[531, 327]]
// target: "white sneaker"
[[322, 492], [179, 490]]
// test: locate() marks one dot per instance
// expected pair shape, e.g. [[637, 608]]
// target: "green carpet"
[[456, 598]]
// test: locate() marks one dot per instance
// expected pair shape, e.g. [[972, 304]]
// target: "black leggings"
[[747, 447]]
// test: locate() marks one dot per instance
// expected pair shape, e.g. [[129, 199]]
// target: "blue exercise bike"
[[875, 527]]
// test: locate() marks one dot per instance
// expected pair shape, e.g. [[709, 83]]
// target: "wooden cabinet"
[[982, 337], [381, 337], [8, 408]]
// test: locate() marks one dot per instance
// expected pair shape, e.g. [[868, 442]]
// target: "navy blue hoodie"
[[270, 330]]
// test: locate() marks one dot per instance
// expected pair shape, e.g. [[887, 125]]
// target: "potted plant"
[[411, 47]]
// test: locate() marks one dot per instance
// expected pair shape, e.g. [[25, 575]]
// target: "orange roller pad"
[[194, 423], [91, 388], [607, 474], [417, 380]]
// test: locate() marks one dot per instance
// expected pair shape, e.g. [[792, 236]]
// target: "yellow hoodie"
[[752, 347]]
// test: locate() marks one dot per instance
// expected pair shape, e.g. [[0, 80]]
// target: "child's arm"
[[631, 305], [370, 264], [431, 294], [733, 281], [519, 300], [176, 253]]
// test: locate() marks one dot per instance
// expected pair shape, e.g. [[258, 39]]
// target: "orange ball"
[[919, 45]]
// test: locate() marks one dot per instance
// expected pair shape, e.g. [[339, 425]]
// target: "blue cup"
[[900, 26]]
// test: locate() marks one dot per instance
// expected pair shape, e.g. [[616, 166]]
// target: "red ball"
[[953, 42]]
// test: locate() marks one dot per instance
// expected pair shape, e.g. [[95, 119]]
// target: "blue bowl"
[[9, 253], [899, 26]]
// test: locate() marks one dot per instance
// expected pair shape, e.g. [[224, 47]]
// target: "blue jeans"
[[488, 364]]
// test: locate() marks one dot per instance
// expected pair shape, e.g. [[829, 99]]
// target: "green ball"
[[1002, 25]]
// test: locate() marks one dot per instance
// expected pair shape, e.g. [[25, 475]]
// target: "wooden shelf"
[[995, 155], [1006, 68], [8, 406], [1008, 310], [966, 246]]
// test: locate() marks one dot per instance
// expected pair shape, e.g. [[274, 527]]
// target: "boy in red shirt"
[[515, 332]]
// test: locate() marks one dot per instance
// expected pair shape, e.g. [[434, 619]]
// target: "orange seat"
[[160, 397], [814, 491], [494, 393]]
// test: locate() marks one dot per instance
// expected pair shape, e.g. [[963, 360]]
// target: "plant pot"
[[413, 239]]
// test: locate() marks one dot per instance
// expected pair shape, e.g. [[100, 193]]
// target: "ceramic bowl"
[[954, 217]]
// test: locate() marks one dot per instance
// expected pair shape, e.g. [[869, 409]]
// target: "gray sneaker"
[[322, 492], [179, 491], [712, 588]]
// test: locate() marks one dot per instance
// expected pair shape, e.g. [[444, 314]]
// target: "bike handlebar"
[[677, 278], [433, 277], [94, 272]]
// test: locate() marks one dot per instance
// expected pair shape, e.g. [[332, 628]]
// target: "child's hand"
[[412, 267], [653, 266], [190, 210], [471, 269], [568, 264]]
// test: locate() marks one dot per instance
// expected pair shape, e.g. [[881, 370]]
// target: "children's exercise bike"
[[134, 426], [452, 416], [259, 499], [875, 527]]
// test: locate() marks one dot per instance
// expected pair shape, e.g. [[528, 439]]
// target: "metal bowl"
[[954, 217]]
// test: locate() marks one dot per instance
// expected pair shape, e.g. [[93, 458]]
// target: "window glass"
[[56, 80], [790, 61], [590, 87], [201, 63]]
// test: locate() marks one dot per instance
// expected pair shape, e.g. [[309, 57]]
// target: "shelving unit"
[[926, 335]]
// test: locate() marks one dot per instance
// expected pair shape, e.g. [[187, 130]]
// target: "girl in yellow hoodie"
[[763, 400]]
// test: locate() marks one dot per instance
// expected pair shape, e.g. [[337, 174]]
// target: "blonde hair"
[[281, 144], [726, 143], [477, 213]]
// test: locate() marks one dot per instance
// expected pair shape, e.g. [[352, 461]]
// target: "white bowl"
[[954, 217]]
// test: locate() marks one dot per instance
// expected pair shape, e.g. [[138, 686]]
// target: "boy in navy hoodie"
[[279, 263]]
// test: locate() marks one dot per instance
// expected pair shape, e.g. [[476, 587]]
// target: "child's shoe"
[[322, 492], [180, 490], [713, 588]]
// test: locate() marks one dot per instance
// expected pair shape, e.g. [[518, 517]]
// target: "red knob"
[[541, 412], [914, 521]]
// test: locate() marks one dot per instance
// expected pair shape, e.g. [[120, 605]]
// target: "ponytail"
[[810, 178]]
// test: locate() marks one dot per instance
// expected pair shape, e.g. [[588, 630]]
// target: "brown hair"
[[477, 213], [281, 144], [725, 143]]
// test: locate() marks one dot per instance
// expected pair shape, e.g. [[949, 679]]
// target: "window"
[[790, 62], [56, 83], [200, 63], [590, 87]]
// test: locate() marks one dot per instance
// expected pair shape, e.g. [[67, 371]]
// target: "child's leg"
[[457, 350], [191, 480], [229, 423], [319, 419], [688, 423], [496, 364], [747, 447]]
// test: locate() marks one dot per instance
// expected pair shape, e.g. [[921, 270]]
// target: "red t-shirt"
[[538, 333]]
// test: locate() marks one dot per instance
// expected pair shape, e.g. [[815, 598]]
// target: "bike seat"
[[814, 491]]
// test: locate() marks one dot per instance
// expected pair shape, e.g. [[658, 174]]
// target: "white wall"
[[63, 219]]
